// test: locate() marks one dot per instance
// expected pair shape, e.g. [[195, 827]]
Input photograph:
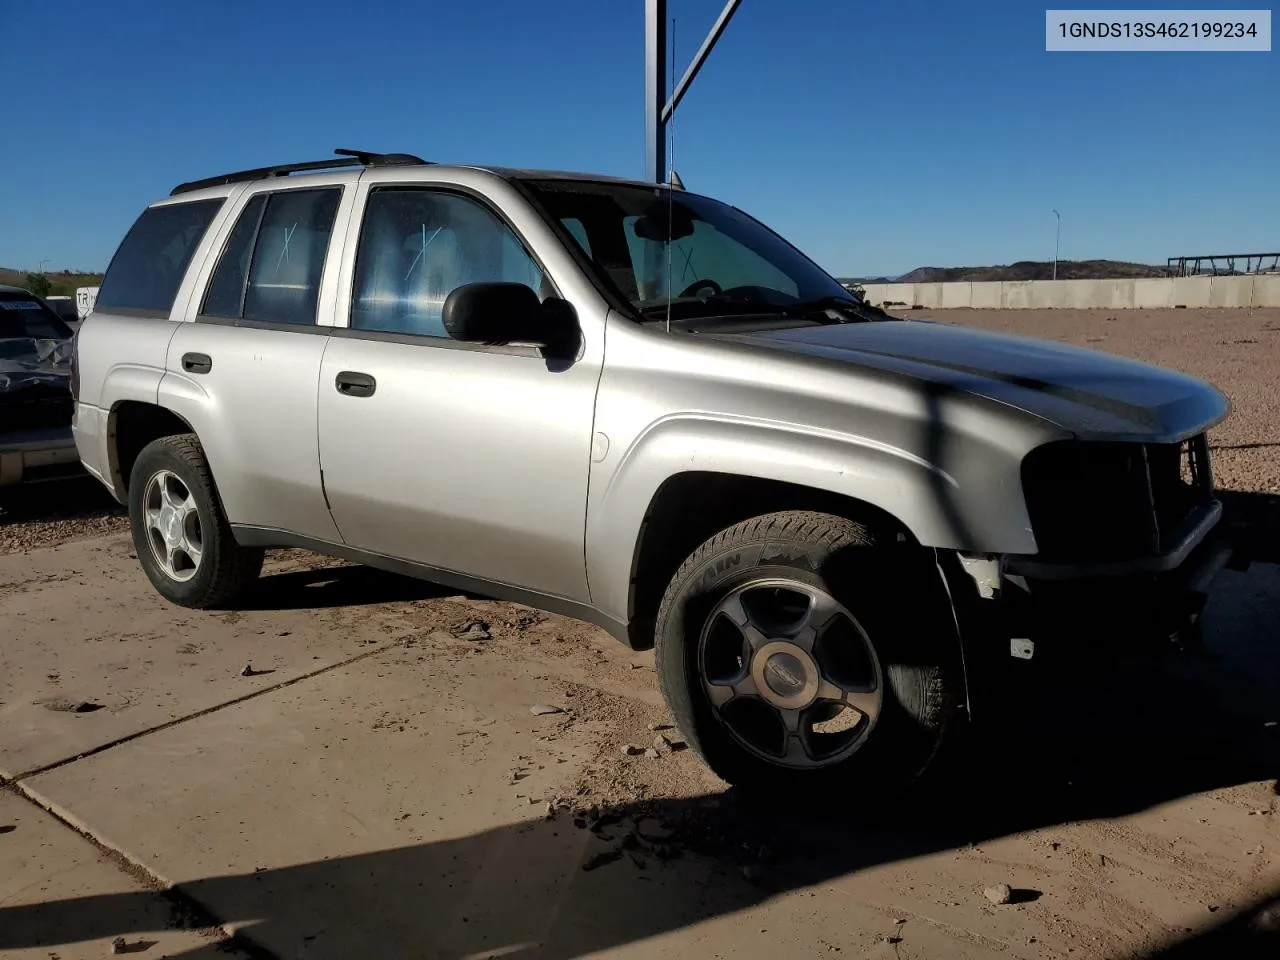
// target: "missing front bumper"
[[1006, 614]]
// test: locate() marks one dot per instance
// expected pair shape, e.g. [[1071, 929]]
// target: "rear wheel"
[[180, 533], [797, 653]]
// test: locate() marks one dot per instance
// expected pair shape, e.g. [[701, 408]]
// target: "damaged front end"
[[1130, 538]]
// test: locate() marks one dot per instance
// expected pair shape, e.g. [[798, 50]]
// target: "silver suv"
[[636, 405]]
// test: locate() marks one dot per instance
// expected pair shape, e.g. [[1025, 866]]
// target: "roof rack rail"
[[346, 158]]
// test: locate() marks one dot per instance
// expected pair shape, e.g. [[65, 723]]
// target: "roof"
[[513, 173], [357, 158]]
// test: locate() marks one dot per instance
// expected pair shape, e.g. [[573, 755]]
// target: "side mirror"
[[508, 313]]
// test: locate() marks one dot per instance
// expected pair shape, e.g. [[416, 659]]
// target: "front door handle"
[[197, 362], [352, 384]]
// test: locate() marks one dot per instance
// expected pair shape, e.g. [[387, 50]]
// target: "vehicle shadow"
[[1253, 931], [338, 585], [77, 497], [1107, 739], [1255, 518]]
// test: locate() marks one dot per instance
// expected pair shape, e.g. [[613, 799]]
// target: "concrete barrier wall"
[[1262, 290], [985, 295]]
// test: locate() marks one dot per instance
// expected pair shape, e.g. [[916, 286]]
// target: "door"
[[245, 373], [463, 457]]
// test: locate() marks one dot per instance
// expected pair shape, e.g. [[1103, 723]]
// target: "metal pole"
[[655, 89], [700, 57], [1056, 234]]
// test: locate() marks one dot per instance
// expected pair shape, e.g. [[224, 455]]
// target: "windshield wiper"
[[710, 307], [846, 308], [829, 309]]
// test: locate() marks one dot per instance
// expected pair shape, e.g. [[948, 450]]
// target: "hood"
[[1086, 392], [27, 362]]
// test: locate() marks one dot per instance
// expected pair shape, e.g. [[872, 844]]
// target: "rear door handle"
[[352, 384], [197, 362]]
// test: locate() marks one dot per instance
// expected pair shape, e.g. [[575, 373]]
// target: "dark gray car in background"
[[35, 390]]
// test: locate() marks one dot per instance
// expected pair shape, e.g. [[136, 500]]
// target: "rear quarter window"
[[151, 261]]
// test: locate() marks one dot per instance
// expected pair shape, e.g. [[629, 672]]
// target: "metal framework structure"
[[658, 108], [1253, 263]]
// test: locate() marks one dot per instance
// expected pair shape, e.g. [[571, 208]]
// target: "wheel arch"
[[131, 425], [774, 465], [691, 506]]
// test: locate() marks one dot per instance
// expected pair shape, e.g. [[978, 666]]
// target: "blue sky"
[[877, 136]]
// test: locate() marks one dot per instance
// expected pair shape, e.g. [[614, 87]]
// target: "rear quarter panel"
[[121, 356]]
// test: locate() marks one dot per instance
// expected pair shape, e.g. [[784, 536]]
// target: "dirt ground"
[[361, 765]]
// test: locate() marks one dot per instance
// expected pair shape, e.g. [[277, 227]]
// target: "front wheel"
[[797, 653], [180, 533]]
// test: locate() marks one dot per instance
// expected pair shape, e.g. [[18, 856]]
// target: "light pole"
[[1057, 232]]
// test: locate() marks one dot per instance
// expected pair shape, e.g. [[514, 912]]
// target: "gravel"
[[41, 515]]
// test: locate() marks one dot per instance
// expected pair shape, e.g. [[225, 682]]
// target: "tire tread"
[[828, 532], [236, 568]]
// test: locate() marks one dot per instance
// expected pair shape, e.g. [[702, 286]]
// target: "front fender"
[[974, 504]]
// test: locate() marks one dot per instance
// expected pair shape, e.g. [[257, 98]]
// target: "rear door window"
[[151, 261], [288, 256], [225, 296], [270, 269]]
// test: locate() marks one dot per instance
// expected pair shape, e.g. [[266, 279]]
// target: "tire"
[[224, 570], [902, 637]]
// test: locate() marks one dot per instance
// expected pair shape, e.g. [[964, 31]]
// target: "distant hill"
[[1038, 270], [62, 283], [854, 280]]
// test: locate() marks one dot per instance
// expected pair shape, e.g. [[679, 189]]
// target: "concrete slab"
[[84, 628], [383, 809], [45, 865], [695, 907], [377, 804], [399, 841]]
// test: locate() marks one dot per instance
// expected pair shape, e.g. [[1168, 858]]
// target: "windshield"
[[23, 316], [703, 257]]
